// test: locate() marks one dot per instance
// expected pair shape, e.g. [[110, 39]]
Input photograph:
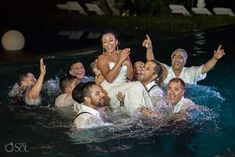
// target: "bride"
[[116, 68]]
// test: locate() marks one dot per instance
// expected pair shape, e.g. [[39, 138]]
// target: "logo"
[[19, 147]]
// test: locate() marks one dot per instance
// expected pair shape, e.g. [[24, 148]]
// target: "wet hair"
[[82, 90], [66, 81], [158, 69], [74, 62], [21, 77], [180, 50], [178, 80]]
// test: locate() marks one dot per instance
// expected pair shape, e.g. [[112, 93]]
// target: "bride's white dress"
[[135, 93]]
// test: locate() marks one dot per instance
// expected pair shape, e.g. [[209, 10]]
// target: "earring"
[[103, 50], [117, 48]]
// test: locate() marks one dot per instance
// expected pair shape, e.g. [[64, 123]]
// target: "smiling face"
[[138, 68], [175, 91], [109, 42], [78, 71], [148, 74], [178, 60]]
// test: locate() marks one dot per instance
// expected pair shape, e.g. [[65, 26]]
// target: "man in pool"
[[77, 69], [190, 75], [67, 84], [175, 96], [29, 88], [91, 97], [148, 77], [178, 108]]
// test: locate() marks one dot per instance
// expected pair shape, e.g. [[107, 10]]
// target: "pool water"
[[43, 131]]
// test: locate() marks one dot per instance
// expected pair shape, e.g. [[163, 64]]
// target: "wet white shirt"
[[156, 95], [183, 105], [60, 101], [135, 93], [88, 118], [190, 75]]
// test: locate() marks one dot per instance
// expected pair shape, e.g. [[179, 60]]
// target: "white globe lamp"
[[13, 40]]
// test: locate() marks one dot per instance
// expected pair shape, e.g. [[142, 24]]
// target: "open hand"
[[124, 55]]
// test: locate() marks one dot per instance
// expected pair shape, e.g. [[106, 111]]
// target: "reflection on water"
[[200, 42]]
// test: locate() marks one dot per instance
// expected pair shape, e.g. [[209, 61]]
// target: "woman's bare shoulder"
[[102, 57]]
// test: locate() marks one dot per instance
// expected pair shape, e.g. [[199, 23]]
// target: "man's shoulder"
[[188, 102], [83, 116], [86, 120], [59, 101], [157, 89], [61, 96]]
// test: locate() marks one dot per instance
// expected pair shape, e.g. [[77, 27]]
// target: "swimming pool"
[[44, 132]]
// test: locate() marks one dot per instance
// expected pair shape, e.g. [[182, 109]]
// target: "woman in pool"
[[116, 68]]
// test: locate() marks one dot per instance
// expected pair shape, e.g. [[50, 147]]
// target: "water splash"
[[200, 118], [205, 96], [51, 87]]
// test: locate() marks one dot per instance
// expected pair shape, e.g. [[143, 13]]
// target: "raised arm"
[[219, 53], [35, 91], [111, 74], [147, 43]]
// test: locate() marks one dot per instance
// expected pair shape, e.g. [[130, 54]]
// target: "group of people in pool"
[[119, 87]]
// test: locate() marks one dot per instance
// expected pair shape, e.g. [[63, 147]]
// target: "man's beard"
[[101, 103]]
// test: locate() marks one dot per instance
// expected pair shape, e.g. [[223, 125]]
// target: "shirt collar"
[[148, 86], [179, 105], [90, 110], [172, 71]]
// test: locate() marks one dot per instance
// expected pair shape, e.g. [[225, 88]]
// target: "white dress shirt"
[[88, 118], [61, 102], [156, 95], [183, 105], [190, 75]]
